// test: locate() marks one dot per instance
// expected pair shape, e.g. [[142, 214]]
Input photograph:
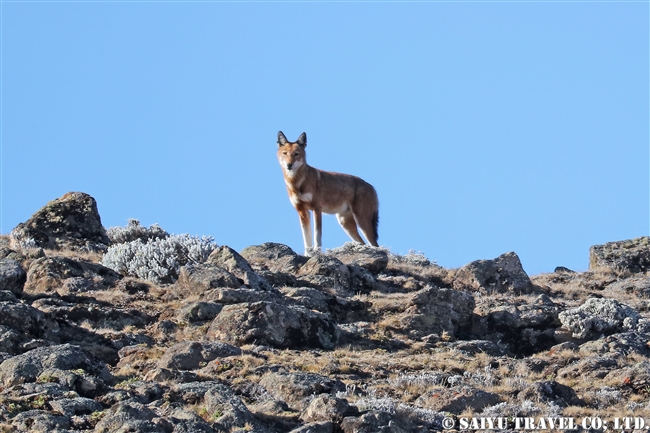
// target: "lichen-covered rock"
[[197, 279], [230, 260], [198, 311], [273, 257], [131, 416], [12, 276], [190, 355], [435, 310], [30, 365], [619, 345], [602, 316], [500, 275], [277, 325], [595, 366], [326, 407], [371, 422], [40, 421], [524, 327], [550, 391], [71, 221], [296, 388], [631, 255], [65, 275], [457, 400], [328, 274], [371, 258], [340, 309]]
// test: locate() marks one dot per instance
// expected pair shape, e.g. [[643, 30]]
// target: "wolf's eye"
[[295, 154]]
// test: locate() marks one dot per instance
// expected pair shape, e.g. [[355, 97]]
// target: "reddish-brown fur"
[[353, 200]]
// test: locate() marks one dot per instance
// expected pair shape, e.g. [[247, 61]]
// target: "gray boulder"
[[12, 276], [197, 279], [328, 274], [550, 391], [230, 260], [602, 316], [130, 416], [457, 400], [435, 311], [30, 365], [326, 407], [631, 255], [40, 421], [273, 257], [198, 311], [190, 355], [368, 257], [296, 389], [65, 275], [500, 275], [277, 325], [71, 221]]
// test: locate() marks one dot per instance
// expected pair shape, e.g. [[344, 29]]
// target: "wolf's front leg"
[[305, 225]]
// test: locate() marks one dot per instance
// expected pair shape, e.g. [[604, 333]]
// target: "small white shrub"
[[158, 260], [133, 231]]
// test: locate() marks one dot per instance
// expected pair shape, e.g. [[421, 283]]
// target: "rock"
[[523, 327], [635, 377], [273, 257], [190, 355], [631, 255], [12, 276], [230, 260], [500, 275], [637, 285], [296, 388], [602, 316], [227, 411], [340, 309], [197, 279], [131, 417], [8, 253], [75, 406], [40, 421], [457, 400], [189, 422], [371, 422], [64, 275], [474, 347], [325, 407], [434, 310], [238, 296], [549, 391], [368, 257], [272, 324], [198, 312], [69, 222], [596, 366], [315, 427], [24, 318], [29, 366], [620, 344], [328, 274]]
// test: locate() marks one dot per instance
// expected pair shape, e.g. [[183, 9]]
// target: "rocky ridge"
[[353, 340]]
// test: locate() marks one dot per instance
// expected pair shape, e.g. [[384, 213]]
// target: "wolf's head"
[[292, 155]]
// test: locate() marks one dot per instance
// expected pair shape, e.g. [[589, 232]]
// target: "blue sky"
[[485, 127]]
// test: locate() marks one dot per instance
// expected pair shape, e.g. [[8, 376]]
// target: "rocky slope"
[[266, 340]]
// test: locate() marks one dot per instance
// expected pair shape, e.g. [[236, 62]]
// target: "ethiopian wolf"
[[353, 200]]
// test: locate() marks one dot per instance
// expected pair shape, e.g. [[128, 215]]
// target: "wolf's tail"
[[375, 224]]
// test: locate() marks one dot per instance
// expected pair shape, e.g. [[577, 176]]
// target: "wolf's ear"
[[302, 140], [282, 140]]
